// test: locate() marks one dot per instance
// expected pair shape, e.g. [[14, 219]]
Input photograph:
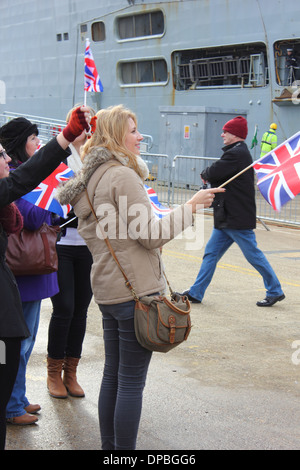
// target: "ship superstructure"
[[216, 57]]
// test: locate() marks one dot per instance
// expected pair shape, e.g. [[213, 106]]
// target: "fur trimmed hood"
[[69, 191]]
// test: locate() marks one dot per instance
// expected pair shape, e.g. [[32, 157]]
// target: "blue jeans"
[[124, 377], [218, 244], [18, 400], [8, 373]]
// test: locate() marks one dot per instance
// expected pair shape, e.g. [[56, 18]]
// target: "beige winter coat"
[[125, 213]]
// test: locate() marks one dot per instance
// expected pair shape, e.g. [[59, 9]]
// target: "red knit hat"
[[237, 126]]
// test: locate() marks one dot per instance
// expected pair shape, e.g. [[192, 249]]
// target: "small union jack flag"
[[92, 80], [44, 194], [159, 210], [278, 173]]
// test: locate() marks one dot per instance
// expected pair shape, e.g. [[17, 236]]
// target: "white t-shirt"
[[72, 236]]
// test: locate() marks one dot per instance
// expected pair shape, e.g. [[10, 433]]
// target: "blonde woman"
[[114, 175]]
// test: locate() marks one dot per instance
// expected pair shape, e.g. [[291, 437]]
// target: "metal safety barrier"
[[174, 180], [184, 180], [159, 176]]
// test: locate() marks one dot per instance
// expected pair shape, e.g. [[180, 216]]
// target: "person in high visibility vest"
[[269, 140]]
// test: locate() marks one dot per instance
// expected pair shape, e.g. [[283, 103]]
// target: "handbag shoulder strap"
[[96, 178], [94, 181], [97, 175]]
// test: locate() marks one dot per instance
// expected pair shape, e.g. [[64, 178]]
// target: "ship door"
[[181, 134]]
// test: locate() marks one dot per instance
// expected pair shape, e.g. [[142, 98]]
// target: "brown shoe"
[[54, 381], [69, 378], [32, 409], [23, 420]]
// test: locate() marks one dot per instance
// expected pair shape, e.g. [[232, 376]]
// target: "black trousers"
[[9, 366], [68, 322]]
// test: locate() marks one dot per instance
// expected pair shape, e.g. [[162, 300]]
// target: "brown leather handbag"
[[160, 324], [33, 252]]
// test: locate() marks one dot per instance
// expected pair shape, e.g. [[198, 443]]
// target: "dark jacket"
[[22, 180], [236, 208]]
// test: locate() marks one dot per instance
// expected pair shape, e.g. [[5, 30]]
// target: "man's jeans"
[[218, 244]]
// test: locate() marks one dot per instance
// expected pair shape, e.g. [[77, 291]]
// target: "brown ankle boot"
[[69, 378], [54, 381]]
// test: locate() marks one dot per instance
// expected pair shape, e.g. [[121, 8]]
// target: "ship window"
[[66, 36], [144, 72], [141, 25], [59, 37], [98, 31], [287, 61], [240, 65], [83, 28]]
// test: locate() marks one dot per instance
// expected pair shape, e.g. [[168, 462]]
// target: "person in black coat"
[[234, 215], [12, 186]]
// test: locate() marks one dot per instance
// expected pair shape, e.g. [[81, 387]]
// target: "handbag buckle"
[[172, 324]]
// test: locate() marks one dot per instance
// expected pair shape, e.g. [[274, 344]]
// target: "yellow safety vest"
[[268, 142]]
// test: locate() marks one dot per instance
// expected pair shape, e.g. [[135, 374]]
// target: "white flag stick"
[[86, 44]]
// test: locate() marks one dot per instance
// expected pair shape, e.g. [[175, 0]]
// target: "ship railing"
[[176, 180], [224, 71]]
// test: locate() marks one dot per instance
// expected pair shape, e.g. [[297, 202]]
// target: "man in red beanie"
[[234, 215]]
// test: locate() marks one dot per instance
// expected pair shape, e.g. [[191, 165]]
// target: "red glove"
[[93, 124], [76, 125], [92, 127]]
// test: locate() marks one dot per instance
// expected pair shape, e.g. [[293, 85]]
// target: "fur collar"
[[72, 188]]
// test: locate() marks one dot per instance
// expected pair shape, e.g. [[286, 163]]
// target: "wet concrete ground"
[[235, 384]]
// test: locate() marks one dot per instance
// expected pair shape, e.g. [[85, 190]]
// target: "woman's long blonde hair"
[[110, 133]]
